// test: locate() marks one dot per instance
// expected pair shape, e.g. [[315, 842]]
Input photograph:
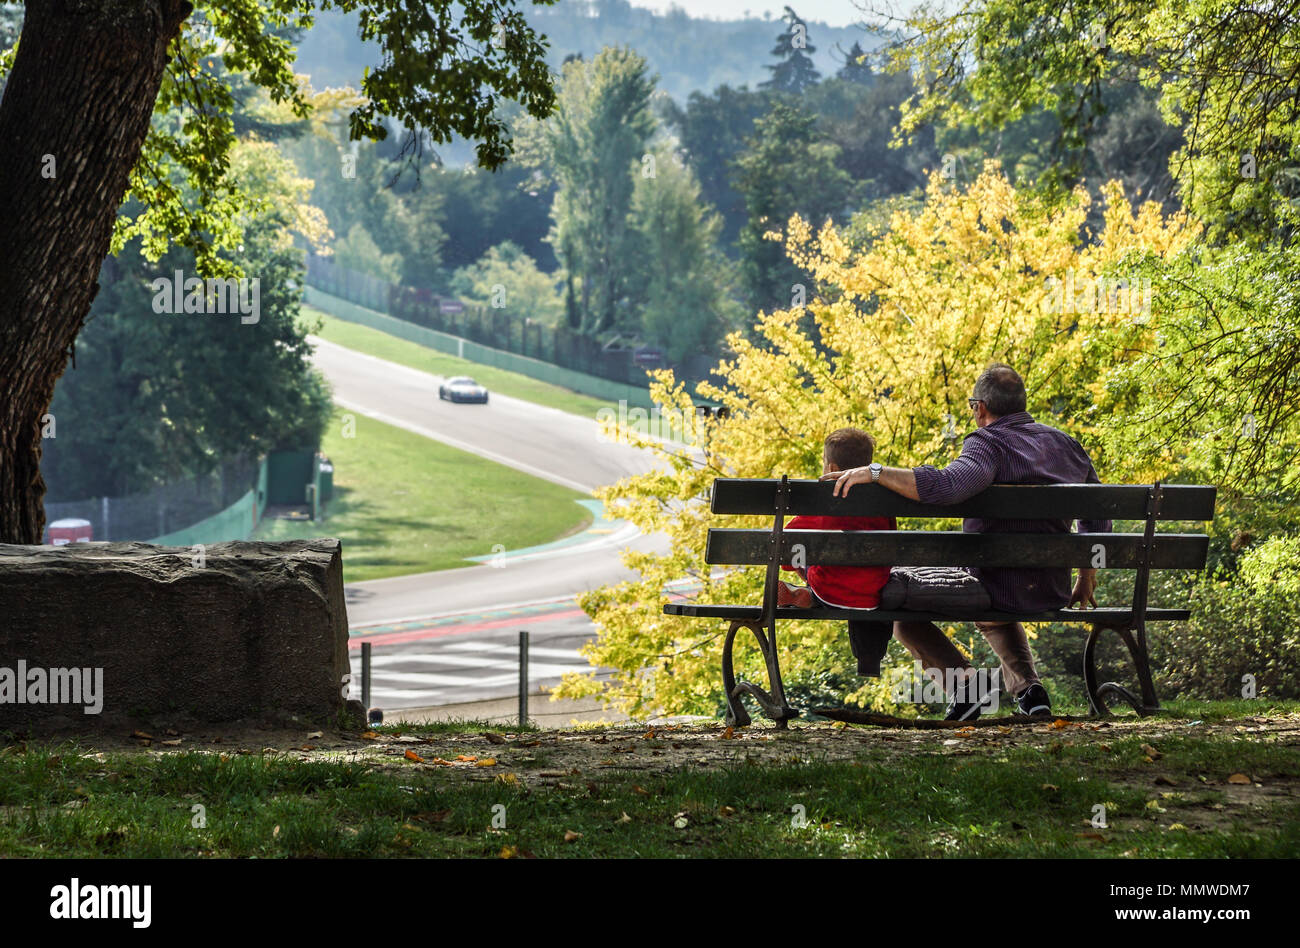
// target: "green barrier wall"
[[476, 352], [236, 522]]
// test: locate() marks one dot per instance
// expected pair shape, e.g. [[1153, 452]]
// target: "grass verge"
[[404, 504], [1233, 792]]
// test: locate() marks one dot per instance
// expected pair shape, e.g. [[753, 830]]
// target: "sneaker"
[[963, 710], [1034, 702], [787, 594]]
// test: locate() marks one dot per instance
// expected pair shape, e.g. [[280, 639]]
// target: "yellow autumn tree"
[[891, 341]]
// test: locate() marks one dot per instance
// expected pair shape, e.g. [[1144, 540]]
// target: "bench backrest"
[[1143, 550]]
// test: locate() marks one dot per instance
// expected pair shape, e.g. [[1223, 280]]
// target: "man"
[[1007, 447]]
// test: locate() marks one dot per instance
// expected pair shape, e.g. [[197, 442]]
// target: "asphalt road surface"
[[451, 636]]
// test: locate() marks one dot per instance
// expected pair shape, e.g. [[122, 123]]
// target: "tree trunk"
[[75, 112]]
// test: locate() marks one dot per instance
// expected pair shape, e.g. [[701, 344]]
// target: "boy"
[[850, 587]]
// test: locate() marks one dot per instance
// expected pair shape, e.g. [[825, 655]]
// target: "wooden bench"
[[1142, 551]]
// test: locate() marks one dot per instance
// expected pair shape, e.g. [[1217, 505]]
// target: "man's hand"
[[1084, 587], [846, 479]]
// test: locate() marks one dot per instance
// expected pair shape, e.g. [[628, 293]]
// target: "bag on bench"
[[949, 590]]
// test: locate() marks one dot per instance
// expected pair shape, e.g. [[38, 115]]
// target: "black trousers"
[[869, 640]]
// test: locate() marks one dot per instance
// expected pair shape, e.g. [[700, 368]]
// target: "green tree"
[[507, 278], [591, 148], [155, 396], [794, 70], [359, 251], [713, 129], [478, 210], [125, 97], [877, 168], [1223, 69], [786, 170], [687, 279], [856, 68]]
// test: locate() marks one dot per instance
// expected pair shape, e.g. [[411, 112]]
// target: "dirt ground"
[[554, 757]]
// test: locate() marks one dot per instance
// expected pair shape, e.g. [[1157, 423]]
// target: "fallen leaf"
[[727, 811], [508, 852], [371, 735], [172, 743], [1059, 724], [486, 762], [625, 818], [680, 821], [142, 736], [1050, 786], [307, 747], [729, 733], [494, 738], [637, 788], [508, 778], [1163, 781], [412, 755], [570, 836], [1177, 826], [1239, 778], [315, 735], [466, 758], [648, 735], [1151, 752], [276, 831]]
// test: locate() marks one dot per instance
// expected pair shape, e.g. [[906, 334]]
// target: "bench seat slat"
[[728, 546], [1104, 616], [1000, 501]]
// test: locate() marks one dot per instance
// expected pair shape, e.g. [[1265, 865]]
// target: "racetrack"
[[448, 636]]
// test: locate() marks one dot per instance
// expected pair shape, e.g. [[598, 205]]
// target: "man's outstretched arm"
[[963, 478], [901, 480]]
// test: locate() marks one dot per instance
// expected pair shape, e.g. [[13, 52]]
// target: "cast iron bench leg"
[[737, 716], [1097, 693], [773, 704]]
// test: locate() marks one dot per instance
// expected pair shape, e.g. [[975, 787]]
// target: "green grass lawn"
[[404, 503], [1025, 794], [383, 346]]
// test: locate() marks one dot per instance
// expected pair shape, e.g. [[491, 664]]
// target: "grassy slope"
[[383, 346], [406, 504]]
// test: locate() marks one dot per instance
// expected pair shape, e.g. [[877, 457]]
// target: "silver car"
[[462, 388]]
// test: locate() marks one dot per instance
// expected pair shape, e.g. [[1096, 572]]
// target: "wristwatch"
[[875, 467]]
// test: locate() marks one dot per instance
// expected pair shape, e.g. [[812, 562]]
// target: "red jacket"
[[854, 587]]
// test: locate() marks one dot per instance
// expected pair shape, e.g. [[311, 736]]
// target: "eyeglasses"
[[972, 402]]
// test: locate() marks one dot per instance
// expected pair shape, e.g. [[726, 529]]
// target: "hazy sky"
[[832, 12]]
